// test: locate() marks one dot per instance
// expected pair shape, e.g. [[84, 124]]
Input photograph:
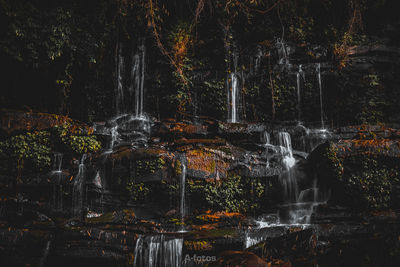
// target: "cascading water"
[[318, 68], [257, 60], [233, 98], [97, 181], [288, 179], [267, 144], [298, 204], [57, 184], [158, 251], [137, 79], [58, 157], [119, 92], [283, 52], [300, 74], [232, 85], [285, 145], [182, 189], [131, 124], [114, 136], [46, 251], [77, 190]]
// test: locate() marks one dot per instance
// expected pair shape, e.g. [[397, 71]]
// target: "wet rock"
[[124, 217], [358, 244], [239, 258], [22, 247], [297, 248], [170, 130]]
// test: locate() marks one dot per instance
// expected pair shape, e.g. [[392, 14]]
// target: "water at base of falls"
[[158, 251]]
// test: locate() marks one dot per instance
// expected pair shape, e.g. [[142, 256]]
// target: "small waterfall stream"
[[285, 144], [119, 89], [46, 251], [298, 204], [318, 68], [57, 164], [114, 136], [300, 74], [267, 144], [182, 187], [233, 98], [130, 125], [137, 78], [283, 52], [77, 190], [232, 84], [57, 195]]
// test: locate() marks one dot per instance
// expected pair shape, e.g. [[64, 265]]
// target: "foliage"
[[285, 99], [233, 194], [148, 166], [77, 140], [137, 191], [67, 53], [358, 180], [371, 189], [374, 100], [369, 184], [31, 149]]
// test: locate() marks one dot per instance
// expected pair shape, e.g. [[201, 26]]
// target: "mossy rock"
[[125, 216]]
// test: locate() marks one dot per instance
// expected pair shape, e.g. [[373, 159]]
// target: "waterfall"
[[232, 84], [234, 97], [119, 94], [77, 190], [182, 188], [57, 195], [320, 94], [258, 58], [299, 74], [131, 124], [298, 204], [285, 145], [97, 181], [288, 179], [137, 78], [114, 136], [46, 250], [267, 138], [267, 143], [283, 52], [158, 251], [57, 164], [130, 100]]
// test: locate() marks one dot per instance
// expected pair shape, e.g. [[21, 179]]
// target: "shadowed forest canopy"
[[60, 56]]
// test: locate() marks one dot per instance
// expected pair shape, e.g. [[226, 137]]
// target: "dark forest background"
[[59, 56]]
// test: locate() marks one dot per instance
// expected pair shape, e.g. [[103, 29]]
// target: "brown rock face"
[[11, 121]]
